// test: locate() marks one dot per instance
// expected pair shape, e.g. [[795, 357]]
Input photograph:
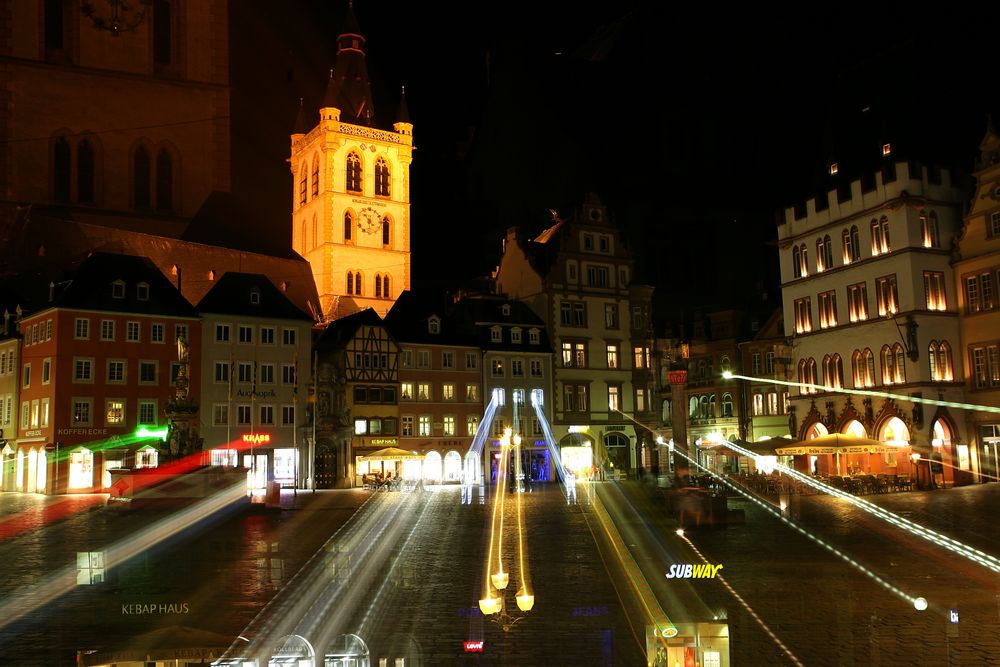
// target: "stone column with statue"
[[181, 410]]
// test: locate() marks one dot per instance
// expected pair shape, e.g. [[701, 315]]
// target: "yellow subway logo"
[[693, 571]]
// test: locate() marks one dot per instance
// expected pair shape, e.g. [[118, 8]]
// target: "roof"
[[353, 90], [338, 332], [478, 315], [89, 286], [409, 317], [231, 296]]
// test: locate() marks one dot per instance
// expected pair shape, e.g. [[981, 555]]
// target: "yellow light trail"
[[525, 598], [654, 612], [728, 375]]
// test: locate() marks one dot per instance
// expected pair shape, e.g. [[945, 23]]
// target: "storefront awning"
[[837, 443], [391, 454]]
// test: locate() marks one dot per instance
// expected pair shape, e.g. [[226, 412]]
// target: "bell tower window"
[[353, 172], [381, 178]]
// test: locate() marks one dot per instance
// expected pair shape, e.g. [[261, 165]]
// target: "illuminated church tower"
[[351, 191]]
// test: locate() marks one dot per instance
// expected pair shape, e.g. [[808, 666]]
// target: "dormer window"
[[515, 335], [834, 169], [505, 310], [886, 150], [533, 336], [496, 335], [434, 325], [142, 291], [118, 289], [255, 296]]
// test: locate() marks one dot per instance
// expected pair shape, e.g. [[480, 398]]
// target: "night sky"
[[695, 125]]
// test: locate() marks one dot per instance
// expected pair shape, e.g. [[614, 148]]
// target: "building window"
[[26, 376], [640, 357], [757, 402], [244, 372], [611, 315], [800, 261], [471, 424], [107, 329], [423, 359], [517, 368], [755, 363], [267, 415], [381, 177], [888, 300], [979, 293], [833, 371], [116, 371], [863, 364], [220, 414], [46, 371], [243, 415], [448, 425], [597, 276], [803, 316], [857, 302], [497, 368], [574, 355], [147, 372], [447, 359], [824, 254], [934, 291], [267, 335], [132, 332], [267, 373], [115, 411], [827, 310], [535, 368], [534, 336], [893, 364], [939, 357], [472, 393], [727, 404], [424, 391], [81, 330], [353, 174], [222, 370], [246, 334], [614, 397], [448, 391], [852, 245], [83, 370], [82, 411], [348, 226], [147, 412], [994, 224], [612, 356], [288, 415], [880, 237], [424, 425], [929, 230], [156, 333], [575, 396], [986, 366], [288, 337], [181, 331], [807, 375]]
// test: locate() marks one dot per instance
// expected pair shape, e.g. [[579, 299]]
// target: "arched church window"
[[350, 283], [348, 225], [61, 170], [385, 287], [378, 286], [386, 230], [85, 172], [357, 283], [141, 180], [381, 177], [302, 186], [353, 172], [315, 177], [164, 181]]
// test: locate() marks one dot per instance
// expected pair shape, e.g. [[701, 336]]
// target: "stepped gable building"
[[255, 364], [351, 190], [577, 275], [976, 265], [100, 361], [869, 304]]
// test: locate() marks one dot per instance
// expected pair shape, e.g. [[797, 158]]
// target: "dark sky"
[[695, 123]]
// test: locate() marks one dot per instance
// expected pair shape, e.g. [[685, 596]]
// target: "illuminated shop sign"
[[474, 647], [693, 571], [579, 429], [382, 441], [257, 438]]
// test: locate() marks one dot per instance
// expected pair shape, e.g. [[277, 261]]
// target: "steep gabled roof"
[[477, 316], [338, 332], [89, 286], [409, 318], [231, 295]]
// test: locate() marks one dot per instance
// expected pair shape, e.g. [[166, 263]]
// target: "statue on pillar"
[[181, 410]]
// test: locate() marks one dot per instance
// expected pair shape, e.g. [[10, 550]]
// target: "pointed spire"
[[300, 119], [332, 93], [403, 113]]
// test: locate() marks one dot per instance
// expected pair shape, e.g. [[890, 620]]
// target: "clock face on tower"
[[368, 220]]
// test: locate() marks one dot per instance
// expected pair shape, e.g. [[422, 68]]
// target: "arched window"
[[357, 283], [305, 239], [303, 174], [141, 180], [164, 181], [348, 225], [725, 363], [386, 230], [85, 172], [693, 407], [893, 367], [381, 177], [353, 183], [929, 230], [824, 254], [315, 230], [350, 283], [378, 286], [315, 177], [880, 236], [62, 170], [385, 287], [796, 262], [939, 358], [833, 371], [727, 405], [852, 249]]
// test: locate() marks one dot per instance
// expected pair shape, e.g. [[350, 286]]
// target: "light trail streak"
[[787, 651], [525, 598], [317, 601], [829, 547], [650, 605], [728, 375], [975, 555], [27, 600]]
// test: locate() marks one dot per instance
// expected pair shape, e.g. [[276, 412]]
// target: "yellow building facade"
[[351, 192]]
